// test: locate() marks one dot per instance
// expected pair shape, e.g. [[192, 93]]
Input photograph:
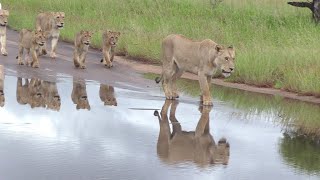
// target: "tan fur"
[[79, 94], [31, 41], [30, 93], [4, 14], [81, 45], [107, 95], [2, 99], [194, 146], [203, 58], [51, 95], [109, 43], [50, 23]]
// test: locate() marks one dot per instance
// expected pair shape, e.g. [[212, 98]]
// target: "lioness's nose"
[[231, 69], [5, 22]]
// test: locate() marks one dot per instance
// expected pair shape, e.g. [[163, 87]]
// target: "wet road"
[[61, 123]]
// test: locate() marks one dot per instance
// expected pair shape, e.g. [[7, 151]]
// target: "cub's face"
[[83, 103], [40, 37], [86, 37], [110, 101], [4, 14], [59, 19], [112, 37], [225, 59]]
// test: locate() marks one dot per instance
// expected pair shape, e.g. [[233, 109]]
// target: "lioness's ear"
[[230, 47], [118, 33], [218, 47]]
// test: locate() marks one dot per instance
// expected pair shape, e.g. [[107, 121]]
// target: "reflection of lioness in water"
[[107, 95], [30, 93], [51, 95], [196, 146], [180, 54], [2, 99], [79, 94]]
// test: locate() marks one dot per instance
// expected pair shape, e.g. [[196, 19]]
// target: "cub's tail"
[[159, 79]]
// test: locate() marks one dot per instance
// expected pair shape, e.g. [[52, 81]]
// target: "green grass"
[[277, 45]]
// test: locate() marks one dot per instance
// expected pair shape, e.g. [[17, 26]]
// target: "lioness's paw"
[[108, 65], [20, 63], [5, 54], [35, 65], [53, 55], [44, 52], [83, 67]]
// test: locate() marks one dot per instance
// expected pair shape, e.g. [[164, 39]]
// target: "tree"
[[314, 6]]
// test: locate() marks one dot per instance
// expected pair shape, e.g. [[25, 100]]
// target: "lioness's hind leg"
[[178, 73]]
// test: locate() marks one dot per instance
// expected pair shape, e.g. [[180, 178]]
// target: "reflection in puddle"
[[79, 94], [2, 99], [107, 95], [196, 146], [38, 93]]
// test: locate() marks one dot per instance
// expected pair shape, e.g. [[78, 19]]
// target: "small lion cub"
[[4, 14], [81, 45], [32, 41], [109, 43]]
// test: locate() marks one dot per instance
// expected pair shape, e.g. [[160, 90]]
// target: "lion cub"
[[81, 45], [4, 14], [50, 23], [31, 41], [109, 43], [107, 95]]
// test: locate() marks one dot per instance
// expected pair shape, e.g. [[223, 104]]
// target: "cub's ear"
[[230, 47], [118, 33], [218, 47]]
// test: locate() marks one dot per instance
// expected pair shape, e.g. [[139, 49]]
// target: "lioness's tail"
[[159, 79]]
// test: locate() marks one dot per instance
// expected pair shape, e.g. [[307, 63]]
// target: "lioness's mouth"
[[3, 25], [1, 93], [87, 43], [41, 44], [223, 71], [60, 26]]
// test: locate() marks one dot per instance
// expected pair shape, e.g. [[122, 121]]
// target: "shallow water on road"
[[78, 129]]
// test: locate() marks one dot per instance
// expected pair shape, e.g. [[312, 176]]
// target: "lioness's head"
[[85, 37], [111, 37], [220, 153], [4, 14], [36, 98], [59, 19], [110, 101], [39, 37], [225, 59], [1, 98]]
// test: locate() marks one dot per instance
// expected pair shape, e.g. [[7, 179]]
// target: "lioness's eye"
[[226, 58]]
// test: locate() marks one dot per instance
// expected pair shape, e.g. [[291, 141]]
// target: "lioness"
[[107, 95], [4, 14], [2, 99], [196, 146], [109, 43], [50, 23], [51, 95], [203, 58], [79, 94], [81, 45], [30, 93], [31, 41]]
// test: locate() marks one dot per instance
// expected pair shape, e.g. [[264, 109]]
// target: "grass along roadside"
[[276, 43]]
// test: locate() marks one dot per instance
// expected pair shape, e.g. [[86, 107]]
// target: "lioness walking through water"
[[203, 58]]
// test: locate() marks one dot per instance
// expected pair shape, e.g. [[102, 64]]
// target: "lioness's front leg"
[[83, 60], [54, 43], [35, 60], [205, 91], [106, 59], [76, 58], [3, 45], [20, 53]]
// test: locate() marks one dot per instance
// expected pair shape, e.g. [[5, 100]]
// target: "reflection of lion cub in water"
[[51, 95], [2, 99], [107, 95], [31, 41], [30, 93], [81, 46], [4, 14], [79, 94], [203, 58], [196, 146]]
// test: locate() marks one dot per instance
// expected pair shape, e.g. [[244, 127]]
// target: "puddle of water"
[[78, 130]]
